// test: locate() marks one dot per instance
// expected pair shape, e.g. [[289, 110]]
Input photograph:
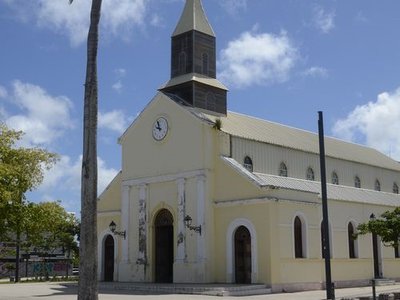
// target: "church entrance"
[[242, 255], [109, 258], [164, 247]]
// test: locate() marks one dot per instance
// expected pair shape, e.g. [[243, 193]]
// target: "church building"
[[206, 195]]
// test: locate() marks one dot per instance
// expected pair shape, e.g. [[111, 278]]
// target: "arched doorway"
[[242, 255], [109, 258], [164, 247]]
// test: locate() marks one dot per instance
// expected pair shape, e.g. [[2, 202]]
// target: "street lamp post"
[[377, 274]]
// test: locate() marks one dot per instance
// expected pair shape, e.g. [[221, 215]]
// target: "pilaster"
[[125, 209]]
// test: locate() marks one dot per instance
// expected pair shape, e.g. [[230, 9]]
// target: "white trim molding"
[[164, 178], [230, 248], [125, 211]]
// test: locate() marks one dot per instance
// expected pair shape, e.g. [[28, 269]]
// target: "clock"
[[160, 128]]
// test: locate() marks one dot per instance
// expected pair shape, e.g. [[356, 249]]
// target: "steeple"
[[193, 63], [193, 18]]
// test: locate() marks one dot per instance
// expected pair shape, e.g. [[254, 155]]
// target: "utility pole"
[[330, 291]]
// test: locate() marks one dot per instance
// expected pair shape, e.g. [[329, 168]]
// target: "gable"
[[188, 145]]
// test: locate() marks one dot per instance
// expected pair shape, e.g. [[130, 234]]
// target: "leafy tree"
[[387, 227], [88, 287], [21, 170], [51, 229]]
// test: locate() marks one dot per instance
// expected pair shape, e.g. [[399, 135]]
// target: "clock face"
[[160, 129]]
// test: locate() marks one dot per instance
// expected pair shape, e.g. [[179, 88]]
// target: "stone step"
[[384, 281], [194, 289]]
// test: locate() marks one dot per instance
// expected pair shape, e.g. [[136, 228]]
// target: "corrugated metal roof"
[[335, 192], [194, 77], [193, 18], [277, 134]]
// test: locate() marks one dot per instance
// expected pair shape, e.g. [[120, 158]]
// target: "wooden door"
[[109, 258], [242, 255], [164, 247]]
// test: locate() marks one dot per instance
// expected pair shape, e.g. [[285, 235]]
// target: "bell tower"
[[193, 63]]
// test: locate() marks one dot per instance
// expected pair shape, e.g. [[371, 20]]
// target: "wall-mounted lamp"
[[113, 228], [188, 223]]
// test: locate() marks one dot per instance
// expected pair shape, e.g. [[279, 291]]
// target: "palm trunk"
[[88, 287]]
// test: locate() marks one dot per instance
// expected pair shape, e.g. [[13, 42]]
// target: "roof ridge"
[[309, 132]]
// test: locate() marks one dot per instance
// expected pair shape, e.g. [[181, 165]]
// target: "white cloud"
[[3, 92], [119, 73], [315, 72], [118, 16], [376, 124], [67, 174], [233, 6], [117, 86], [156, 20], [43, 117], [113, 120], [324, 21], [257, 59]]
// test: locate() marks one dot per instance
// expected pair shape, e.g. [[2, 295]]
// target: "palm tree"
[[88, 287]]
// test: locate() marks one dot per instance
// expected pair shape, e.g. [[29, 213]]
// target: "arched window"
[[351, 240], [335, 178], [377, 185], [298, 238], [248, 164], [182, 63], [283, 170], [310, 174], [205, 63], [357, 182], [395, 188]]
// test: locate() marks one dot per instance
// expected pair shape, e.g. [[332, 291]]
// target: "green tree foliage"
[[21, 170], [387, 227], [51, 228]]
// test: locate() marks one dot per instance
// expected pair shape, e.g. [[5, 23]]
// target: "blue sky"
[[283, 60]]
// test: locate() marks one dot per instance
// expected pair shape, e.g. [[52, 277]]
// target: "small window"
[[395, 188], [248, 164], [283, 170], [357, 182], [298, 238], [310, 174], [396, 252], [377, 185], [351, 241], [205, 63], [182, 63], [335, 178]]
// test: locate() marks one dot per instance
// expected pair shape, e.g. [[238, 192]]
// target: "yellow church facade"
[[210, 196]]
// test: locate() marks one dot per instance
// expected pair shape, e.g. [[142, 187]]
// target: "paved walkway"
[[67, 291]]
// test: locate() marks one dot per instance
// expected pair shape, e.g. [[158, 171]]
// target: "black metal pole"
[[330, 293]]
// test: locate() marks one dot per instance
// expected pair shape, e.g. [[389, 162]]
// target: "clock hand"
[[158, 126]]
